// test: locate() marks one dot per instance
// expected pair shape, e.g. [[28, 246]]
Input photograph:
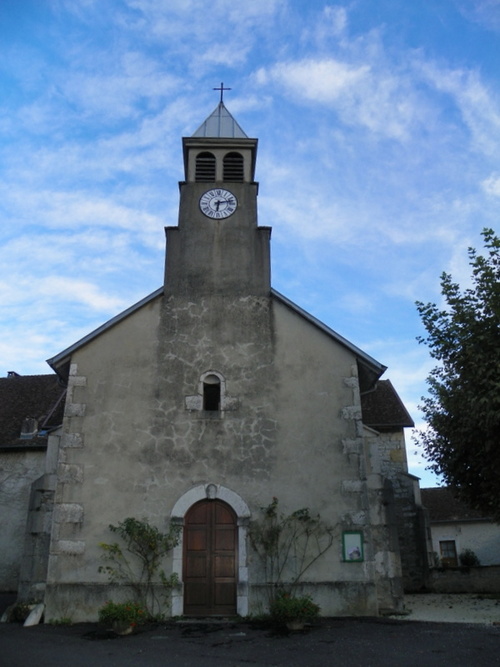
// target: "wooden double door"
[[210, 559]]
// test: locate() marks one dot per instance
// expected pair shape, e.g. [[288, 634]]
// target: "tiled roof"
[[39, 397], [383, 409], [442, 505]]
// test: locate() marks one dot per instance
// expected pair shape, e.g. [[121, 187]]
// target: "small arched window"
[[233, 167], [211, 392], [205, 167]]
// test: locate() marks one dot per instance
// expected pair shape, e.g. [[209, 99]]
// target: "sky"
[[378, 163]]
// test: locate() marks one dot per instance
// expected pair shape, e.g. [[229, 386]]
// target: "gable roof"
[[370, 369], [382, 408], [35, 397], [60, 362], [220, 124], [443, 506]]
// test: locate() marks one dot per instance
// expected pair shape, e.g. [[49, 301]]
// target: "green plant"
[[468, 558], [127, 613], [286, 608], [64, 620], [288, 545], [138, 563]]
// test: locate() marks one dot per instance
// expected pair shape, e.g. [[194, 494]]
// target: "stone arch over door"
[[242, 512]]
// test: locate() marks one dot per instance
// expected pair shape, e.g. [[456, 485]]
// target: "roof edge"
[[220, 124], [375, 366], [56, 361], [363, 356]]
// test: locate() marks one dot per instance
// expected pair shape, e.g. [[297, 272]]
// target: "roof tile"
[[38, 397]]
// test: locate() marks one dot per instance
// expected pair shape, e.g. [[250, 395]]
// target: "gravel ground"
[[452, 608]]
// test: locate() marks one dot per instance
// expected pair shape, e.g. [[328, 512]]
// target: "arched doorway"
[[210, 559], [241, 510]]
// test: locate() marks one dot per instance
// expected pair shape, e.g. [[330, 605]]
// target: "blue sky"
[[379, 157]]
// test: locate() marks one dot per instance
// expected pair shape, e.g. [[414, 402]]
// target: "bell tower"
[[217, 247]]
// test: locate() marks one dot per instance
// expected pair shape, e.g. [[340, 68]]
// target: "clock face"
[[218, 203]]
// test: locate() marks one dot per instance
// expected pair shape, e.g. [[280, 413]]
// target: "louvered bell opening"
[[205, 167], [233, 167]]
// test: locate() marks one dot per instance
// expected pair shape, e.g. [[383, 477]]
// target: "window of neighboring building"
[[205, 167], [211, 392], [448, 553], [233, 167]]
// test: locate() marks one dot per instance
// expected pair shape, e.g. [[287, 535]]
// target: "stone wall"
[[465, 580], [402, 500], [18, 469], [33, 571]]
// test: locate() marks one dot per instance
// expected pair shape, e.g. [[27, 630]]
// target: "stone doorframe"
[[239, 506]]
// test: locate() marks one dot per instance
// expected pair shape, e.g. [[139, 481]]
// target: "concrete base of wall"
[[342, 598], [81, 602]]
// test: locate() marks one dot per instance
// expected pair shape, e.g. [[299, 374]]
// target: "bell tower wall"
[[212, 256]]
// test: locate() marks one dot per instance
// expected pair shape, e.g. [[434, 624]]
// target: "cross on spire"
[[222, 89]]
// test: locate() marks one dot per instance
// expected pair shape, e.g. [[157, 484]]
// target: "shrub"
[[288, 545], [128, 613], [286, 608], [468, 558], [137, 562]]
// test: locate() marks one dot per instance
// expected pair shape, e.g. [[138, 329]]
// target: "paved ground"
[[346, 642]]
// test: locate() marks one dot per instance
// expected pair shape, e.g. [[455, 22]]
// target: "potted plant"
[[122, 617], [292, 611]]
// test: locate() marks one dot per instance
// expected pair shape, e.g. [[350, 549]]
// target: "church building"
[[206, 400]]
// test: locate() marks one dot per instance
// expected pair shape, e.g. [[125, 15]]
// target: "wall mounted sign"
[[352, 546]]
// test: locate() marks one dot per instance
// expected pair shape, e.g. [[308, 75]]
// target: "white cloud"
[[324, 81], [361, 94], [120, 88], [478, 105], [79, 291], [77, 209], [491, 185], [331, 24], [484, 12]]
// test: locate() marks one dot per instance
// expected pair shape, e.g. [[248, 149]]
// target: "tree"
[[463, 407]]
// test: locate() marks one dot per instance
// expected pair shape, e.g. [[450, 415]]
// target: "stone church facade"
[[216, 391]]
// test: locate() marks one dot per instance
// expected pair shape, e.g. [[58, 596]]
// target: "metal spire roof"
[[220, 124]]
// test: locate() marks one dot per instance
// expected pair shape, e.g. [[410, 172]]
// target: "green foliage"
[[64, 620], [468, 558], [286, 608], [128, 613], [463, 407], [137, 562], [287, 545], [21, 611]]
